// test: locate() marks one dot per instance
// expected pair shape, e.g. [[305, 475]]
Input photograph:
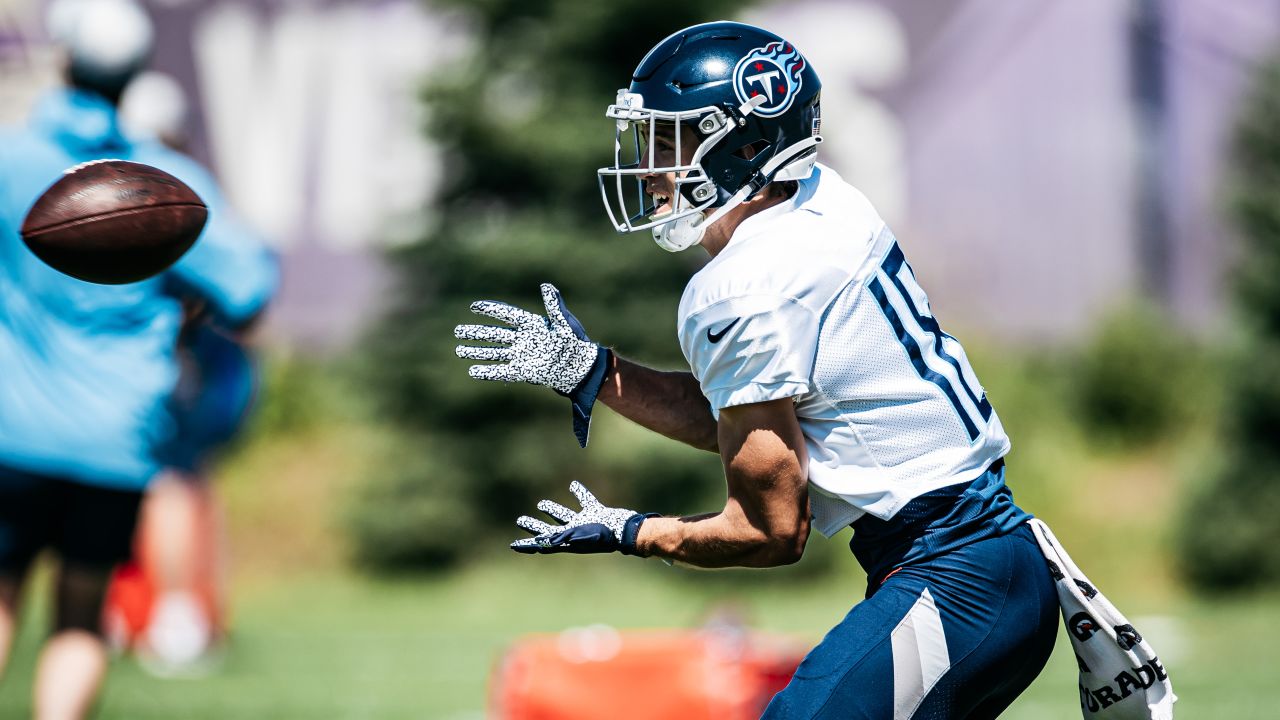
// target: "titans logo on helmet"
[[772, 71]]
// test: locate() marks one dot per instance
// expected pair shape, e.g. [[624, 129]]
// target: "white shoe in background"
[[178, 639]]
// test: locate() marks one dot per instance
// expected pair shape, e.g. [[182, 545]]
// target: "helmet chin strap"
[[679, 234], [686, 232]]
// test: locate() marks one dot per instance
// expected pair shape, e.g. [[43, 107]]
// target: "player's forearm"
[[668, 403], [765, 521], [719, 541]]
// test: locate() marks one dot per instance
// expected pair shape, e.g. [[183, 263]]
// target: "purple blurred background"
[[1070, 155]]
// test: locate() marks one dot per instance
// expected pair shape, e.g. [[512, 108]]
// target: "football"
[[114, 222]]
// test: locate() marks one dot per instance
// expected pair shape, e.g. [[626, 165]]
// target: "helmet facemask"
[[684, 220], [677, 221]]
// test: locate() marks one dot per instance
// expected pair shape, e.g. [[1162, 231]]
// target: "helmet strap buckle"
[[749, 107]]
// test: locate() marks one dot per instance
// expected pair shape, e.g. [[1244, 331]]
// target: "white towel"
[[1120, 675]]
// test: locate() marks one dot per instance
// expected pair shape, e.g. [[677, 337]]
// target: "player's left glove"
[[595, 529], [553, 351]]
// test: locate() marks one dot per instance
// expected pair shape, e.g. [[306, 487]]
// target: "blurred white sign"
[[314, 119], [854, 47]]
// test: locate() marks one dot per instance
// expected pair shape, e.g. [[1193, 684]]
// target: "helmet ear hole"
[[751, 150]]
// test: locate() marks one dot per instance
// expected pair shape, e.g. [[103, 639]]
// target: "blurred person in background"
[[88, 370], [179, 544], [169, 603]]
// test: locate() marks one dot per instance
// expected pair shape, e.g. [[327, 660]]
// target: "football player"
[[819, 374]]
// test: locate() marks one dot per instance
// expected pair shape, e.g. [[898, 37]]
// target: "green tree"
[[1230, 536], [1130, 382], [521, 121]]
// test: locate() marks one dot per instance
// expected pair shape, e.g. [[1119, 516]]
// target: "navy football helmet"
[[745, 96]]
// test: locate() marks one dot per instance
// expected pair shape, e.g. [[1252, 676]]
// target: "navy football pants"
[[956, 636]]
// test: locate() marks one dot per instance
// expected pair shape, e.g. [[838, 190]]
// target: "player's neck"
[[718, 235]]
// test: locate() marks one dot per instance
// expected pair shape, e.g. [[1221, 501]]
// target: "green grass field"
[[339, 646]]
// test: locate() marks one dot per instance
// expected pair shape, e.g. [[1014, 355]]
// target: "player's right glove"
[[594, 529], [553, 351]]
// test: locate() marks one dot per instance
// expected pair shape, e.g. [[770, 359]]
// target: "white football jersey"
[[813, 299]]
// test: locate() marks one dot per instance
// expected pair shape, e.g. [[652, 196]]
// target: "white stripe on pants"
[[920, 656]]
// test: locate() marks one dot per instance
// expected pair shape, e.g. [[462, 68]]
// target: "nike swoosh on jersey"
[[717, 337]]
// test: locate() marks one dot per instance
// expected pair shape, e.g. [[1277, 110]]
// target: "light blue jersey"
[[85, 369]]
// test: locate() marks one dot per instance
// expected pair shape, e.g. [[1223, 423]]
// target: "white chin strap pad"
[[680, 234]]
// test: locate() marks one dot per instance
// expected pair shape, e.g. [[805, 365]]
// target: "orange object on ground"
[[598, 672], [127, 609]]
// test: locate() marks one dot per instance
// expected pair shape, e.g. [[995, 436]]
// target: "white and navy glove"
[[553, 351], [595, 529]]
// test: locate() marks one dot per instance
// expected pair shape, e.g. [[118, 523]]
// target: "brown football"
[[113, 222]]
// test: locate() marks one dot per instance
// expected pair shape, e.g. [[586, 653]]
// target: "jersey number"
[[975, 414]]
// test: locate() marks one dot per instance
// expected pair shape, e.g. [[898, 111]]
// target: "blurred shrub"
[[1135, 381], [292, 394], [411, 516], [1229, 535]]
